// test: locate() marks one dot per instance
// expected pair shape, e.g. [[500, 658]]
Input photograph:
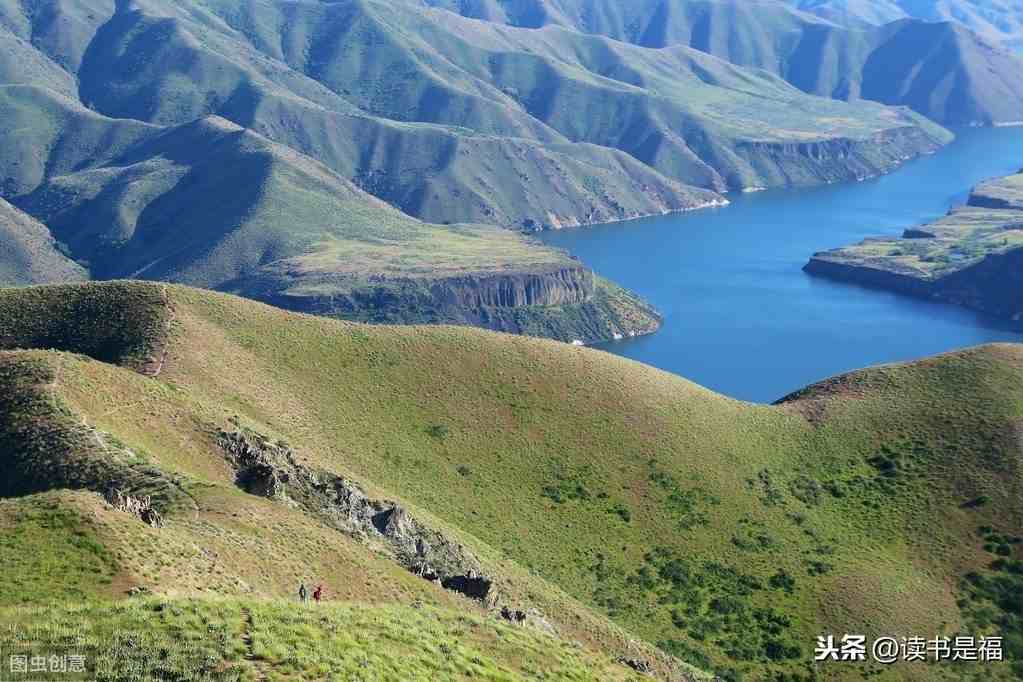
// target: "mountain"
[[425, 470], [211, 204], [996, 20], [971, 257], [452, 120], [942, 70], [351, 160], [31, 256]]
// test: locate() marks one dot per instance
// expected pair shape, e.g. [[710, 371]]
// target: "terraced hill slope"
[[943, 70], [970, 257], [519, 473]]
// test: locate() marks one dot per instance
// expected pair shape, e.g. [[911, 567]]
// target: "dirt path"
[[250, 650]]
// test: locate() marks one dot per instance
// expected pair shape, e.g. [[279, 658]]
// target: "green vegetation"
[[31, 255], [233, 639], [874, 49], [969, 257], [50, 553], [992, 596], [727, 533]]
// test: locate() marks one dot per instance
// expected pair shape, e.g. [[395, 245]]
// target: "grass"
[[51, 553], [960, 240], [731, 532], [233, 639]]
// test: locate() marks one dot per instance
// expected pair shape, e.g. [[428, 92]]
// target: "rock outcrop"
[[972, 257], [837, 159], [567, 303], [270, 470]]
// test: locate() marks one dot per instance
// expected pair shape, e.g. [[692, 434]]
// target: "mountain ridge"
[[894, 62]]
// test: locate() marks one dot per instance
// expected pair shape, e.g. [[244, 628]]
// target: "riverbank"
[[739, 314], [972, 257]]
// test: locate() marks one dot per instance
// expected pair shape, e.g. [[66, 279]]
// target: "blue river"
[[740, 315]]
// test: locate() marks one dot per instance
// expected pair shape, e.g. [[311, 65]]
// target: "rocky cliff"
[[568, 303], [837, 159], [972, 257]]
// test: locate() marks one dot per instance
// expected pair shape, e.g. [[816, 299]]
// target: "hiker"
[[318, 594], [303, 593]]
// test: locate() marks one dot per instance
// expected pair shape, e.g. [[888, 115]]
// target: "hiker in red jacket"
[[318, 593]]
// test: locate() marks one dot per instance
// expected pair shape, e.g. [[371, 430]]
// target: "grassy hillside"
[[31, 256], [235, 639], [944, 71], [731, 535], [211, 204]]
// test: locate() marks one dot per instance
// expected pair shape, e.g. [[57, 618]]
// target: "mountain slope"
[[996, 20], [944, 71], [213, 205], [31, 255], [442, 108], [729, 534]]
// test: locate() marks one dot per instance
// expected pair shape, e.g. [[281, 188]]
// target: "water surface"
[[740, 315]]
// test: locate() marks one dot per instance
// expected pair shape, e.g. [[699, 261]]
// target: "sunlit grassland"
[[729, 534]]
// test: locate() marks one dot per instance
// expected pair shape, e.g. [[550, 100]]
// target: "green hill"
[[211, 204], [942, 70], [565, 480], [454, 120]]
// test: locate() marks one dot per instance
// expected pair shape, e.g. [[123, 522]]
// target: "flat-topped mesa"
[[561, 301], [972, 257]]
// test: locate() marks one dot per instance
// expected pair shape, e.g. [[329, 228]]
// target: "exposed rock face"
[[994, 285], [837, 159], [566, 303], [972, 257], [270, 470]]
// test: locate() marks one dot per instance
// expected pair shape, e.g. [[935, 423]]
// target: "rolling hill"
[[943, 70], [518, 476]]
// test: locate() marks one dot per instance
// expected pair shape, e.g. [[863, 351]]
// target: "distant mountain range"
[[942, 70], [996, 20], [262, 147]]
